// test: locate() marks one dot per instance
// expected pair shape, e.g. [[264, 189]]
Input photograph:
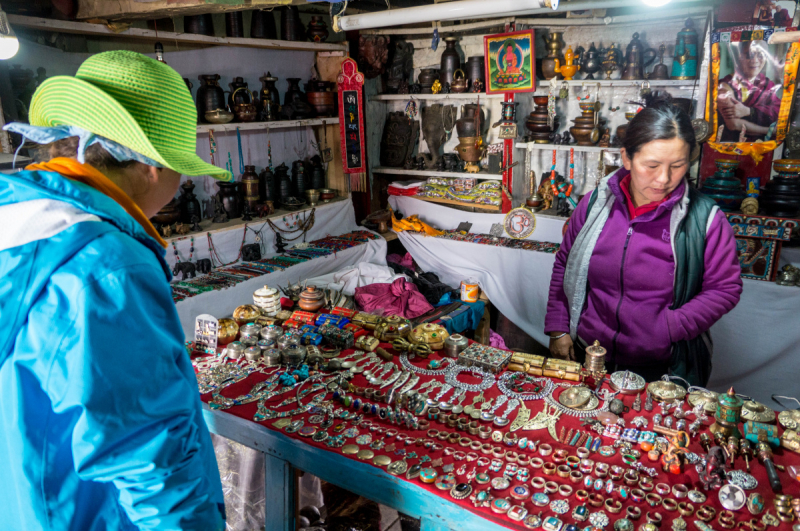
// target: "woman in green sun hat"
[[102, 420]]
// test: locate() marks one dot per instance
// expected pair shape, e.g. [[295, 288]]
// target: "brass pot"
[[218, 116], [468, 149], [245, 112], [311, 299]]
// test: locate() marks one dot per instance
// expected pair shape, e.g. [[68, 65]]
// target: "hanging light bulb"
[[9, 44], [656, 3]]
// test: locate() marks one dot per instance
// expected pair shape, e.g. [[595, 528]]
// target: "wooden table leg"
[[280, 489]]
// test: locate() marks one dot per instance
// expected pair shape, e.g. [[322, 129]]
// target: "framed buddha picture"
[[509, 62], [751, 90]]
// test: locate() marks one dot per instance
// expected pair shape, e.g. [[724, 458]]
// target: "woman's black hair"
[[659, 120]]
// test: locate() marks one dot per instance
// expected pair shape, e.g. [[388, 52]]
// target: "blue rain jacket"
[[101, 417]]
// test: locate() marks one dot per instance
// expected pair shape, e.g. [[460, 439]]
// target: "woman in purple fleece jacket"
[[623, 294]]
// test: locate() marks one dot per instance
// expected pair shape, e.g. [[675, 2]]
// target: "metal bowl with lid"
[[271, 357], [293, 354], [455, 344], [287, 340], [235, 350], [271, 332], [252, 353], [250, 330]]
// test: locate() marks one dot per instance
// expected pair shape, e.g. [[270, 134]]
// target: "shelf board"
[[591, 149], [252, 126], [207, 226], [85, 28], [452, 96], [489, 208], [542, 85], [629, 82], [431, 173]]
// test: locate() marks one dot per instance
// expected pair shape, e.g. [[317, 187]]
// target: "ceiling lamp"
[[9, 44], [460, 10]]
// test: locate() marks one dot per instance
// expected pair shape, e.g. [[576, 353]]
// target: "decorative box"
[[327, 318], [304, 317], [338, 310], [335, 336], [758, 243], [391, 328], [311, 338], [283, 315], [563, 369], [528, 363], [292, 323], [366, 320], [489, 358], [429, 334]]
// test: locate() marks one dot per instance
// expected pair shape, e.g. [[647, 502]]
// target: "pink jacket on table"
[[630, 284]]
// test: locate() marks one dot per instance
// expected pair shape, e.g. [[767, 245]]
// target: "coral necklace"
[[563, 189]]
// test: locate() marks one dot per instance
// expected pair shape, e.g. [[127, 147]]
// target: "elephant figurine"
[[187, 268], [204, 265]]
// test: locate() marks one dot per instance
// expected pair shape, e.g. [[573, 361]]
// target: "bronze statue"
[[373, 52]]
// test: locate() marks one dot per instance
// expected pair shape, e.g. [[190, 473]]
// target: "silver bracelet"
[[559, 337]]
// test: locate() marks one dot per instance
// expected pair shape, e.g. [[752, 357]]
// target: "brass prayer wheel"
[[728, 414]]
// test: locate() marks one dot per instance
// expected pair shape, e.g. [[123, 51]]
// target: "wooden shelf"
[[628, 82], [530, 146], [462, 96], [207, 226], [476, 206], [431, 173], [253, 126], [84, 28]]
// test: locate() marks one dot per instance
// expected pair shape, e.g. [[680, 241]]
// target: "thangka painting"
[[509, 59]]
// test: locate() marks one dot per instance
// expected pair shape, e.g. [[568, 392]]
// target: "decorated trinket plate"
[[519, 223]]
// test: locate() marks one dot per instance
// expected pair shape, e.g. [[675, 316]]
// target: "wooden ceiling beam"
[[132, 10]]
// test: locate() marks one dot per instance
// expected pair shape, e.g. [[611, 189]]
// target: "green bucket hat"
[[134, 100]]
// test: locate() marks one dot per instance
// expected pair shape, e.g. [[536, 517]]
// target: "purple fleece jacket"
[[629, 292]]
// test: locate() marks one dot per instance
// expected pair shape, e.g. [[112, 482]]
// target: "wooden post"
[[280, 485]]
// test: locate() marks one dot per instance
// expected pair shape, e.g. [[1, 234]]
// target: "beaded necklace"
[[175, 250], [563, 189], [212, 250]]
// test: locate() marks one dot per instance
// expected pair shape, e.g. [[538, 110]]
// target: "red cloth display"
[[401, 297], [689, 477], [394, 190]]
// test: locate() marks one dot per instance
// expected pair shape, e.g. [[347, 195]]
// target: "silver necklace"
[[452, 372], [503, 383], [427, 372]]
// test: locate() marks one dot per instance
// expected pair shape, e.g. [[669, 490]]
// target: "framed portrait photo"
[[510, 62]]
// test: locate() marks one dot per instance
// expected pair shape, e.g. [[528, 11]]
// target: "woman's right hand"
[[562, 348]]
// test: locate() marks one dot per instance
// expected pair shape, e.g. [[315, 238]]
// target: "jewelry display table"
[[223, 302], [357, 457], [754, 344]]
